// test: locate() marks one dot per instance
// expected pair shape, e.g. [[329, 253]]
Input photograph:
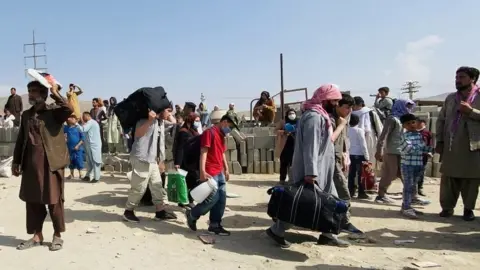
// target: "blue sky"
[[229, 50]]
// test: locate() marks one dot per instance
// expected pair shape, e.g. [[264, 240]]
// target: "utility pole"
[[34, 55], [410, 88], [282, 89]]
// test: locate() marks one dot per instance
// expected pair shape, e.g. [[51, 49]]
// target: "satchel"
[[306, 206]]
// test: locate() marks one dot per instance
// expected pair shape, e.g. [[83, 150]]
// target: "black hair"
[[359, 101], [472, 72], [87, 113], [421, 120], [226, 117], [384, 89], [95, 99], [71, 85], [37, 84], [346, 99], [407, 118], [354, 120], [13, 88]]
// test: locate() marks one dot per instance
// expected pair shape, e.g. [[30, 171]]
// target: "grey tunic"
[[314, 152]]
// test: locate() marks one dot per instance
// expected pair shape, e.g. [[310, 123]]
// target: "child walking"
[[412, 149], [358, 154], [74, 137]]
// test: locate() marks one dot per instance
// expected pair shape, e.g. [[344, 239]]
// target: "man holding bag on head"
[[40, 156]]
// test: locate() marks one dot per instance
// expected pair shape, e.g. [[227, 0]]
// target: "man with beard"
[[14, 105], [314, 157], [338, 114], [458, 141], [40, 156]]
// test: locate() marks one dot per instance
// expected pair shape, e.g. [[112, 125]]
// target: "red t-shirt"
[[216, 149]]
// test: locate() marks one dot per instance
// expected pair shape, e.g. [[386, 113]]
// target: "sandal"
[[29, 244], [57, 244]]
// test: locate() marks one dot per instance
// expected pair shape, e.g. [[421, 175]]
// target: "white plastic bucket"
[[205, 189]]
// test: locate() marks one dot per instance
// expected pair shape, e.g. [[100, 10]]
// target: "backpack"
[[136, 105], [191, 152]]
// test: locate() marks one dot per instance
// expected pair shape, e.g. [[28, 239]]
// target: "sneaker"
[[384, 200], [164, 215], [421, 202], [327, 241], [363, 196], [446, 213], [421, 192], [409, 213], [468, 215], [94, 181], [86, 179], [279, 240], [129, 216], [192, 224], [218, 231]]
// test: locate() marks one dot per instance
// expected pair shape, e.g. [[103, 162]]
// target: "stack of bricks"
[[430, 115], [8, 137]]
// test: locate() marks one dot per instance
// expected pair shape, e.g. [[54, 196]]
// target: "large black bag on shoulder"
[[137, 105], [307, 207]]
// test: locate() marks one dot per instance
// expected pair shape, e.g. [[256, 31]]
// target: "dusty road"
[[97, 238]]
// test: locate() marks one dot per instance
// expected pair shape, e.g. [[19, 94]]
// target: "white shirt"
[[365, 122], [358, 144], [8, 122]]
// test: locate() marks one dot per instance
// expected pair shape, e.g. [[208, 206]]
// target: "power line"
[[34, 55], [410, 88]]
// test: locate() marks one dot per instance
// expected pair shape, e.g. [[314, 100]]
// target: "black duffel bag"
[[306, 206], [136, 105]]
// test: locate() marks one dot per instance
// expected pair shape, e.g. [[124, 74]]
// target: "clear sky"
[[229, 50]]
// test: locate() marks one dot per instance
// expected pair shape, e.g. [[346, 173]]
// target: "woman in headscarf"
[[285, 143], [264, 110], [388, 150], [113, 131], [314, 156], [188, 130]]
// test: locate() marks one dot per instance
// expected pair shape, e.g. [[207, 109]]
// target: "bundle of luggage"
[[137, 105], [306, 206]]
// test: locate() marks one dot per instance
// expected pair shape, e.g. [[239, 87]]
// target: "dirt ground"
[[97, 238]]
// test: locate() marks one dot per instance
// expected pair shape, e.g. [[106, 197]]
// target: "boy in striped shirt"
[[412, 148]]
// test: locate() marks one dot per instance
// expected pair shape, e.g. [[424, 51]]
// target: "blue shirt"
[[412, 148], [74, 136]]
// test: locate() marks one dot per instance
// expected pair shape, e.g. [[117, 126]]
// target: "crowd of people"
[[326, 144]]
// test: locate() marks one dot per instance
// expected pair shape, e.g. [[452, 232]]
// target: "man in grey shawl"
[[314, 156]]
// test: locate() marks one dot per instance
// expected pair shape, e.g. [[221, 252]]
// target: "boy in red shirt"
[[213, 164], [427, 138]]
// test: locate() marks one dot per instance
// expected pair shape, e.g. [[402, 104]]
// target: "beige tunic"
[[458, 161]]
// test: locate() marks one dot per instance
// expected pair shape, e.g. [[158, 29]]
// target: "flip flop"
[[57, 244], [29, 244]]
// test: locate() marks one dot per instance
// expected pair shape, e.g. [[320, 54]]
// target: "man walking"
[[145, 167], [40, 156], [213, 164]]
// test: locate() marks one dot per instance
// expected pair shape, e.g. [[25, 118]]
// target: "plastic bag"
[[6, 167]]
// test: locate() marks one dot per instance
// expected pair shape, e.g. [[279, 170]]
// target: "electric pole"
[[34, 55], [410, 88]]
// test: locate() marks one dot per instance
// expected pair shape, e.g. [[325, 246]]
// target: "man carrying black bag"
[[314, 156]]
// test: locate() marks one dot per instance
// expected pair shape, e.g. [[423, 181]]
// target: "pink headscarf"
[[324, 92]]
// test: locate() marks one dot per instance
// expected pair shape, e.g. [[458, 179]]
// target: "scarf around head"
[[323, 93], [399, 108]]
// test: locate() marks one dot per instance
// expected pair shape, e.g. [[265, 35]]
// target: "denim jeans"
[[215, 204], [355, 171], [411, 175]]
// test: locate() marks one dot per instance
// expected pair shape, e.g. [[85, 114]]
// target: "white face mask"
[[197, 124], [292, 116]]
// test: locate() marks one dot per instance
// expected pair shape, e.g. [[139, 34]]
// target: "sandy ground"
[[114, 244]]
